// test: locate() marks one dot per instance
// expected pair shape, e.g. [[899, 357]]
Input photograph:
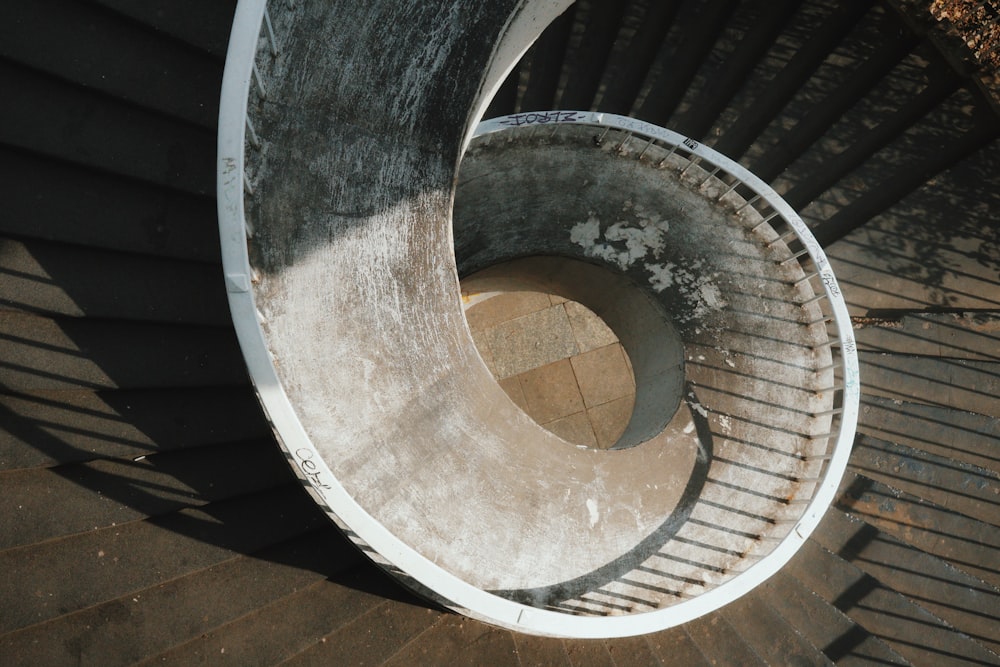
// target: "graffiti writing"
[[310, 470], [541, 118], [831, 283]]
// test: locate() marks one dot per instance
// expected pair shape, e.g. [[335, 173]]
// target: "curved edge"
[[824, 495], [310, 467]]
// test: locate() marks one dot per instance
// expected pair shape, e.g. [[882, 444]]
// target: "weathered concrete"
[[355, 281], [671, 271], [357, 255], [357, 288]]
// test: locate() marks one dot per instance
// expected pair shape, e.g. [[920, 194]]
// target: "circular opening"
[[557, 361], [578, 347]]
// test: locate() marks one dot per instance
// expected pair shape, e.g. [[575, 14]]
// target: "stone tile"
[[603, 375], [531, 341], [483, 347], [551, 392], [608, 420], [512, 387], [574, 429], [590, 330], [504, 307]]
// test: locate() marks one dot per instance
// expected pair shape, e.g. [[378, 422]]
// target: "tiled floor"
[[558, 361]]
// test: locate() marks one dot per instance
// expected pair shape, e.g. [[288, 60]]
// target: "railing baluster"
[[254, 139], [800, 253], [621, 146], [710, 175], [270, 32], [821, 295], [732, 187], [671, 152], [259, 81], [749, 202], [801, 280], [783, 238], [691, 163], [766, 220], [645, 148]]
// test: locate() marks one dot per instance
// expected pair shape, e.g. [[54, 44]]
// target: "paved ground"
[[558, 361]]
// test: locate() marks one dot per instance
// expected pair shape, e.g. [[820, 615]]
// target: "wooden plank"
[[372, 637], [160, 73], [720, 642], [89, 128], [769, 634], [58, 201], [127, 629], [964, 436], [969, 545], [61, 280], [59, 427], [48, 580], [841, 640], [675, 647], [67, 353], [101, 494], [907, 628], [956, 384], [202, 24], [965, 603], [458, 641], [960, 487]]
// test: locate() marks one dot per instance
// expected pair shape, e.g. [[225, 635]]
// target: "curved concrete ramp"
[[352, 325]]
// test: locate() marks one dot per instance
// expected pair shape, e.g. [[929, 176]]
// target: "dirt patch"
[[969, 33]]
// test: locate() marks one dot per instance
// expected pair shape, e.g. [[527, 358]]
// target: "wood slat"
[[958, 599], [160, 73], [969, 545], [49, 580], [42, 354], [60, 427], [204, 25], [841, 640], [188, 611], [105, 493], [89, 128], [61, 280], [908, 629], [58, 201]]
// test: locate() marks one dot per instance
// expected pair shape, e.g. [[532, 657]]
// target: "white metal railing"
[[245, 77]]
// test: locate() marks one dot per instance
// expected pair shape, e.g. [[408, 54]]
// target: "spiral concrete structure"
[[148, 515]]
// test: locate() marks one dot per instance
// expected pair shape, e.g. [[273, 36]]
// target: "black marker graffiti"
[[309, 468], [541, 118], [831, 283]]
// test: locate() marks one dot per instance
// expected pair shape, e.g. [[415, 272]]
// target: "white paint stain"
[[661, 276], [645, 236], [627, 243], [592, 508]]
